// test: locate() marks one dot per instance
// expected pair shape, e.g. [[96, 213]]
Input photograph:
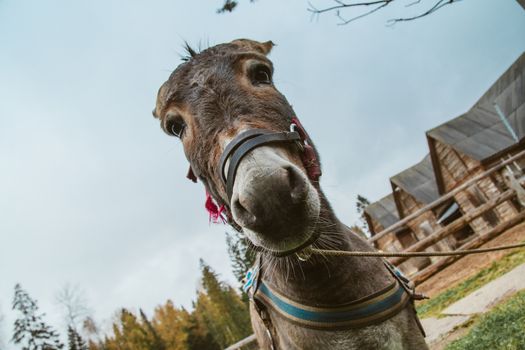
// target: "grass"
[[433, 306], [501, 328]]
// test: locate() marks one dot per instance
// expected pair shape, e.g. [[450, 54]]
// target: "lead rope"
[[307, 252]]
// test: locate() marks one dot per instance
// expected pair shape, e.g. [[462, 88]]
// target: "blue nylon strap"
[[369, 311]]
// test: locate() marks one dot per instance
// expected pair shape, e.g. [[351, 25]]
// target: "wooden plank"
[[455, 225], [250, 341], [426, 273]]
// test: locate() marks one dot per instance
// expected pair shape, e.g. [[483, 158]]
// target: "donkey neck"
[[331, 280]]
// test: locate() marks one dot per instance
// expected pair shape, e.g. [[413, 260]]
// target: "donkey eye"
[[175, 126], [261, 75]]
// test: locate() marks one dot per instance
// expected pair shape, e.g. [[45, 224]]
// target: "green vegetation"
[[501, 328], [433, 306], [219, 318]]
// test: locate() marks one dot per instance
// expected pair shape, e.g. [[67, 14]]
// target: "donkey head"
[[207, 102]]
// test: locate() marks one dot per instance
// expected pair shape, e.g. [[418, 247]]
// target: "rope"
[[409, 254]]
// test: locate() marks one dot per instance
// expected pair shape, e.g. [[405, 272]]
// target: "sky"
[[94, 194]]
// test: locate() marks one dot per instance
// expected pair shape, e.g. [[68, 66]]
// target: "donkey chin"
[[274, 202]]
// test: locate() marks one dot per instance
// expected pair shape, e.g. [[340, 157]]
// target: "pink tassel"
[[215, 212]]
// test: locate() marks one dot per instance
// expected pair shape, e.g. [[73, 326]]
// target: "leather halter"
[[239, 147], [245, 142]]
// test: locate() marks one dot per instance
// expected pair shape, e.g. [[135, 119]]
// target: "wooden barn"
[[414, 188], [383, 214], [460, 150], [492, 130]]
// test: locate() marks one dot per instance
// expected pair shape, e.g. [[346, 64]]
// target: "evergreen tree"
[[30, 331], [242, 257], [172, 325], [75, 341], [361, 204], [221, 309], [131, 334], [199, 336], [156, 341], [219, 319]]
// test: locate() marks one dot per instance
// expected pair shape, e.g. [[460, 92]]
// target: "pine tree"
[[242, 257], [219, 319], [156, 341], [132, 333], [199, 336], [221, 309], [361, 204], [171, 324], [30, 331], [75, 341]]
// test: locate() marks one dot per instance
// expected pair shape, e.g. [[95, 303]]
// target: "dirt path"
[[470, 265]]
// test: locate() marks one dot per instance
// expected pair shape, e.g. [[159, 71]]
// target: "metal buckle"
[[304, 254], [300, 145]]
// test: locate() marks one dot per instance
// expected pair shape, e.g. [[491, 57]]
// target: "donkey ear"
[[252, 45], [161, 97]]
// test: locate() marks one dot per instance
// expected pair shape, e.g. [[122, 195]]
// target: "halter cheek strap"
[[308, 156]]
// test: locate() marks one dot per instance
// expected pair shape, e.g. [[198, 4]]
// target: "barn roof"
[[419, 181], [480, 133], [383, 211]]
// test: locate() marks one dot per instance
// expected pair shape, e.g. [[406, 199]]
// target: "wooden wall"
[[398, 241], [456, 168], [424, 224]]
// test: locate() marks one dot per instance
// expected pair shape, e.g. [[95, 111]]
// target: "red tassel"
[[310, 163], [215, 212]]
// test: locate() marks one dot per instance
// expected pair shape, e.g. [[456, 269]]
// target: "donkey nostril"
[[242, 214], [297, 185]]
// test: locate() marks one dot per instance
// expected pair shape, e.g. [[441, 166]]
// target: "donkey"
[[261, 173]]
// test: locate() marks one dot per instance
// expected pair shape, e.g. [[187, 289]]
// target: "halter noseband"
[[245, 142]]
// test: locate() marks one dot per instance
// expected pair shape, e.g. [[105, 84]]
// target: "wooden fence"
[[248, 343], [442, 233]]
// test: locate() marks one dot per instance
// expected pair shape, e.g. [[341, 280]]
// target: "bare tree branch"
[[73, 303], [341, 6], [433, 9], [346, 21], [413, 3]]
